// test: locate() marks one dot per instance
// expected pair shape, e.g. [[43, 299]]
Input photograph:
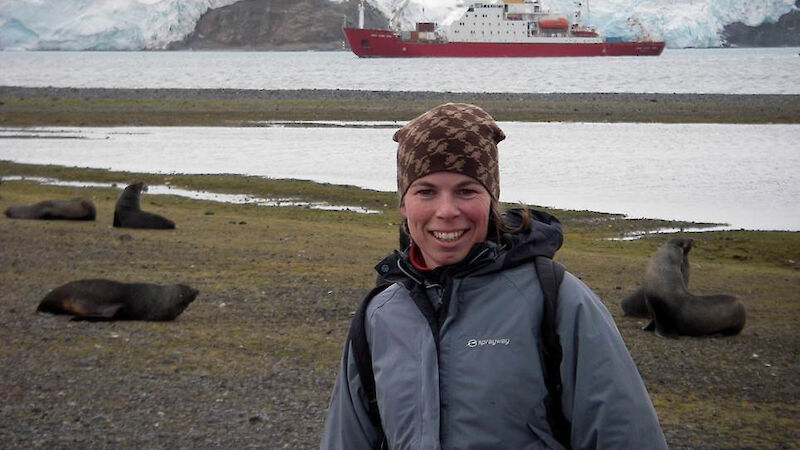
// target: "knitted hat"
[[455, 137]]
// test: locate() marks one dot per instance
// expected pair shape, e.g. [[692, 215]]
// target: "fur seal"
[[673, 310], [72, 209], [634, 304], [128, 213], [102, 299]]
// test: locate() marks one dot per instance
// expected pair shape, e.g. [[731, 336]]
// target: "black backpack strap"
[[357, 337], [550, 275]]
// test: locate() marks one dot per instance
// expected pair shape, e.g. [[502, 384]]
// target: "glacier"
[[153, 24], [98, 24]]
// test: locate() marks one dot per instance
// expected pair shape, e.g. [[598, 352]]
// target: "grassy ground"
[[252, 361], [229, 107]]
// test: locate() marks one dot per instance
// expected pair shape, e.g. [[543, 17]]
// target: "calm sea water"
[[726, 71], [747, 176]]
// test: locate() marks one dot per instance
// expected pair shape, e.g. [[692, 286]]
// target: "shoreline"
[[312, 194], [42, 106]]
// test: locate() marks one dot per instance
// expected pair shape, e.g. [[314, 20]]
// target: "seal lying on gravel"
[[673, 310], [128, 213], [73, 209], [102, 299]]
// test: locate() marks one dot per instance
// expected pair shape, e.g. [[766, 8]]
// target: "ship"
[[511, 28]]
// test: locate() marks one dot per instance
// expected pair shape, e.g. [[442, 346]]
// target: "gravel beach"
[[233, 107]]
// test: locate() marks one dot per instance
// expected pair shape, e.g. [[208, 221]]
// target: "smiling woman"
[[454, 178], [466, 283]]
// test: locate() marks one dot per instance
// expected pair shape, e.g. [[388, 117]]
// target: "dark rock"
[[277, 25], [783, 33]]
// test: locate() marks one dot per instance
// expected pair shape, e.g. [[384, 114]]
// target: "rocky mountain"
[[784, 32], [277, 25]]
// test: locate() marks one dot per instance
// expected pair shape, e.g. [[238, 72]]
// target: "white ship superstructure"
[[519, 22]]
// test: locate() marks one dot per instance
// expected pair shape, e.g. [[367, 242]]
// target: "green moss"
[[741, 423]]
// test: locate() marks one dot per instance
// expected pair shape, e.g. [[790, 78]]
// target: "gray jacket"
[[457, 367]]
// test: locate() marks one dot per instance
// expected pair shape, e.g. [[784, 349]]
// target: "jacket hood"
[[543, 239]]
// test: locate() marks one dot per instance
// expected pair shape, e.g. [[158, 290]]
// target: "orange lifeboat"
[[554, 23]]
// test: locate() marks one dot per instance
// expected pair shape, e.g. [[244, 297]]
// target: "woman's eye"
[[425, 192], [467, 192]]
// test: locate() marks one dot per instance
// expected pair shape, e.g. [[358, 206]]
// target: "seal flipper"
[[106, 313], [81, 306], [659, 318], [666, 335]]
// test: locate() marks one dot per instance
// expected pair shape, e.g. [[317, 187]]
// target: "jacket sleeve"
[[347, 425], [604, 396]]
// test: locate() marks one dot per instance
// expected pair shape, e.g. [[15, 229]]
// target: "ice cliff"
[[98, 24]]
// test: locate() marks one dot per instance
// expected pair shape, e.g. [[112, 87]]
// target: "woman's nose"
[[447, 207]]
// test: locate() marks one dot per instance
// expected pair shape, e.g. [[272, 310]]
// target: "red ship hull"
[[377, 43]]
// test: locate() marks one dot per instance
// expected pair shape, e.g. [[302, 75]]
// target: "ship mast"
[[578, 11], [644, 33], [361, 14], [588, 13], [394, 22]]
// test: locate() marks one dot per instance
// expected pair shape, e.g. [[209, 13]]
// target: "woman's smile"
[[448, 236]]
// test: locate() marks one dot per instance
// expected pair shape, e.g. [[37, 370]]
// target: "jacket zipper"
[[441, 314]]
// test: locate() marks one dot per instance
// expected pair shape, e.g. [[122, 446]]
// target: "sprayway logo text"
[[472, 343]]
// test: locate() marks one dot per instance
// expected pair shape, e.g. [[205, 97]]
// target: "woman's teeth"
[[451, 236]]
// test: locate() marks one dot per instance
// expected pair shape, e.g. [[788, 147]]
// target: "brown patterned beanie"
[[455, 137]]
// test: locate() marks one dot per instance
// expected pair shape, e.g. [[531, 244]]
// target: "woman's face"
[[447, 213]]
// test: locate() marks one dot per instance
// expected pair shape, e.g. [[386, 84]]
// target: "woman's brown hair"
[[497, 226]]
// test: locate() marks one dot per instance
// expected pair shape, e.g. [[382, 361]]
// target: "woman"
[[454, 340]]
